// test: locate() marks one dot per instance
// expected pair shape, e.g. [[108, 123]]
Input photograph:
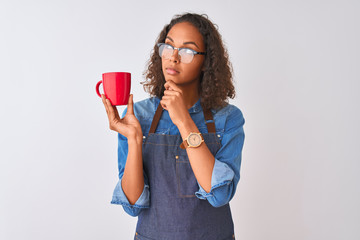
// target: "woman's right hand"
[[129, 126]]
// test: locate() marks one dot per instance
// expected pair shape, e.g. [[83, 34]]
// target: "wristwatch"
[[192, 140]]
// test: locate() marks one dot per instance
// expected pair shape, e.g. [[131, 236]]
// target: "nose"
[[175, 56]]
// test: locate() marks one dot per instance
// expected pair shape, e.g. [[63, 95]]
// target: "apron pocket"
[[185, 178], [139, 237]]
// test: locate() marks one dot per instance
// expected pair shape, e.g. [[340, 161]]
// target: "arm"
[[131, 191], [133, 178], [142, 201], [217, 176], [201, 159], [226, 172]]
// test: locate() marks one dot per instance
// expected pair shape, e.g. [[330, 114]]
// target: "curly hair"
[[216, 82]]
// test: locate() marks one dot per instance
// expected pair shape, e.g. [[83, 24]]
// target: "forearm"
[[201, 159], [133, 177]]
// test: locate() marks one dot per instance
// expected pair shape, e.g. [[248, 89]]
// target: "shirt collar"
[[194, 109]]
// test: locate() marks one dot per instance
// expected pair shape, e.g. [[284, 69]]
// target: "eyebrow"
[[184, 42]]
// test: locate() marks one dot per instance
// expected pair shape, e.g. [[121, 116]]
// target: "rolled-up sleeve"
[[119, 196], [226, 172], [135, 209]]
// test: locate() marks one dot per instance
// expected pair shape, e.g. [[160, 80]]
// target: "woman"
[[179, 151]]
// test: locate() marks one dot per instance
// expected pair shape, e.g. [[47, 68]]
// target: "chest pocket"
[[162, 131]]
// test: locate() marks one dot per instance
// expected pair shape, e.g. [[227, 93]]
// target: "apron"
[[175, 212]]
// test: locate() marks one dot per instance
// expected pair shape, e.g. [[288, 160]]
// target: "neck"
[[190, 93]]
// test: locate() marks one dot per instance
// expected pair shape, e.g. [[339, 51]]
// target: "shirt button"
[[218, 135], [177, 157], [144, 137]]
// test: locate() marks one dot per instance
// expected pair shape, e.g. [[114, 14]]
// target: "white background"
[[296, 66]]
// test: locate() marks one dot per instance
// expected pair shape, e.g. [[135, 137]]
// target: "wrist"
[[137, 140], [187, 126]]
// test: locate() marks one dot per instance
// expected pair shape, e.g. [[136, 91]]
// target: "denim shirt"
[[229, 122]]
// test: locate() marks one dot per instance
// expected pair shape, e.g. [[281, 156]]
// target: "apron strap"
[[156, 119], [207, 114], [210, 123]]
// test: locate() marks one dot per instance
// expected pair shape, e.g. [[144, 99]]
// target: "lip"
[[171, 71]]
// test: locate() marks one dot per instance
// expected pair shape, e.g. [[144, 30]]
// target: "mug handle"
[[97, 88]]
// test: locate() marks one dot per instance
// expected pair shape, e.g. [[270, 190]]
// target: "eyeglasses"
[[186, 54]]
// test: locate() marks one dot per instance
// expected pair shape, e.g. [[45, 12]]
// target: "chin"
[[172, 79]]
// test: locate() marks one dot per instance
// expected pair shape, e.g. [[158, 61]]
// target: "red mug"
[[116, 87]]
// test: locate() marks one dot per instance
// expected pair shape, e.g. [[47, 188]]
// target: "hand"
[[173, 101], [129, 126]]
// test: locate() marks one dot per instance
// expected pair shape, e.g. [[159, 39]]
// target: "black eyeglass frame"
[[192, 50]]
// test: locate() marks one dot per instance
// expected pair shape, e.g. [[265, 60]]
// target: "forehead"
[[186, 32]]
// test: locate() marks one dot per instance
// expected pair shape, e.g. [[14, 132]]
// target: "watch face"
[[194, 140]]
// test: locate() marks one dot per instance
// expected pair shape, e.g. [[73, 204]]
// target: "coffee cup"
[[116, 87]]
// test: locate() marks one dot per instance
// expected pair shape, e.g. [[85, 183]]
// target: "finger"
[[104, 102], [169, 99], [167, 92], [169, 88], [163, 104], [171, 93], [130, 108], [170, 85], [110, 109], [103, 98], [165, 98], [114, 113]]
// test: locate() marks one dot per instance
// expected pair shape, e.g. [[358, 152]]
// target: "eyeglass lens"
[[166, 52]]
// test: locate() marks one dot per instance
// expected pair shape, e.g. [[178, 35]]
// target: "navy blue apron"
[[175, 212]]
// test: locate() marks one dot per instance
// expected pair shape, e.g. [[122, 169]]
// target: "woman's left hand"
[[173, 102]]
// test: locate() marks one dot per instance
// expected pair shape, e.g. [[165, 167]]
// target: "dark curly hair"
[[216, 83]]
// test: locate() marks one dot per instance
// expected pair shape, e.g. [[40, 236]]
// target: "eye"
[[188, 51], [168, 46]]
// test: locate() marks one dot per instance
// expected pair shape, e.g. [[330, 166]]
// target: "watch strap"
[[185, 143]]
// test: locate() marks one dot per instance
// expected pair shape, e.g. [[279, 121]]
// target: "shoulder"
[[144, 109], [228, 110], [228, 117]]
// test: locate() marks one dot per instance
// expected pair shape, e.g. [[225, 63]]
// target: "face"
[[184, 35]]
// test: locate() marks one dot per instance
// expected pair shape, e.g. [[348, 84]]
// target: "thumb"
[[130, 109]]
